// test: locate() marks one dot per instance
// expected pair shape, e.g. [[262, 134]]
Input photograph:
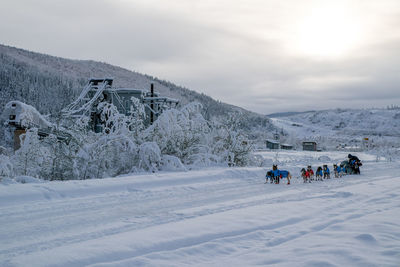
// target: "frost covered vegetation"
[[50, 83], [179, 139]]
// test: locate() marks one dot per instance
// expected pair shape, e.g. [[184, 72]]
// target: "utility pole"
[[152, 103]]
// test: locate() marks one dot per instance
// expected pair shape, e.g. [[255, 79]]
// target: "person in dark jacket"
[[355, 163]]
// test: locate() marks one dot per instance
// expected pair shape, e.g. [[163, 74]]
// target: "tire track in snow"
[[182, 197], [272, 242]]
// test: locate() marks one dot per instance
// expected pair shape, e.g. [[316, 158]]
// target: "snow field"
[[212, 217]]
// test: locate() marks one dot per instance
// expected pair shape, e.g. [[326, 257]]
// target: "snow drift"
[[212, 217]]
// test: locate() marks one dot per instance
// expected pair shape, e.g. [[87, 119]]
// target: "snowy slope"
[[361, 122], [331, 128], [211, 217], [50, 83]]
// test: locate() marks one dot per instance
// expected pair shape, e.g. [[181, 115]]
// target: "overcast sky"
[[264, 55]]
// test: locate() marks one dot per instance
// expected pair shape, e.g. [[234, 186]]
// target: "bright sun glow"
[[327, 32]]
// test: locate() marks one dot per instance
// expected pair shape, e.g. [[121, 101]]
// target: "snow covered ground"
[[213, 217]]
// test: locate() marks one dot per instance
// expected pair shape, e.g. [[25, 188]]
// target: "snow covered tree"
[[149, 156], [32, 157], [111, 119], [181, 133], [136, 118], [171, 163], [110, 153], [6, 167], [63, 156], [230, 142], [109, 156]]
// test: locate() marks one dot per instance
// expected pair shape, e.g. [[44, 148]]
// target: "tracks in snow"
[[237, 198]]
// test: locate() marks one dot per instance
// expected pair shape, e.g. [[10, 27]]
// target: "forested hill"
[[49, 83]]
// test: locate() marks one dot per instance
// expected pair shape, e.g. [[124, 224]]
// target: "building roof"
[[286, 145]]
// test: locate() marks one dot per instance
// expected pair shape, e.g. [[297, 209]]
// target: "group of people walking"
[[350, 166]]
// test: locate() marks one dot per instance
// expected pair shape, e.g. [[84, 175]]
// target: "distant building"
[[310, 146], [286, 146], [272, 144]]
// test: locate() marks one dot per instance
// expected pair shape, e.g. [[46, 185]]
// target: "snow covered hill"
[[213, 217], [331, 128], [49, 83], [361, 122]]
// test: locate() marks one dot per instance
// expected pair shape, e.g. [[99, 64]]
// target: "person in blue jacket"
[[355, 163]]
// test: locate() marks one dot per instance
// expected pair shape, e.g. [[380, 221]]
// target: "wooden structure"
[[286, 146], [272, 144], [17, 137], [310, 146], [101, 90]]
